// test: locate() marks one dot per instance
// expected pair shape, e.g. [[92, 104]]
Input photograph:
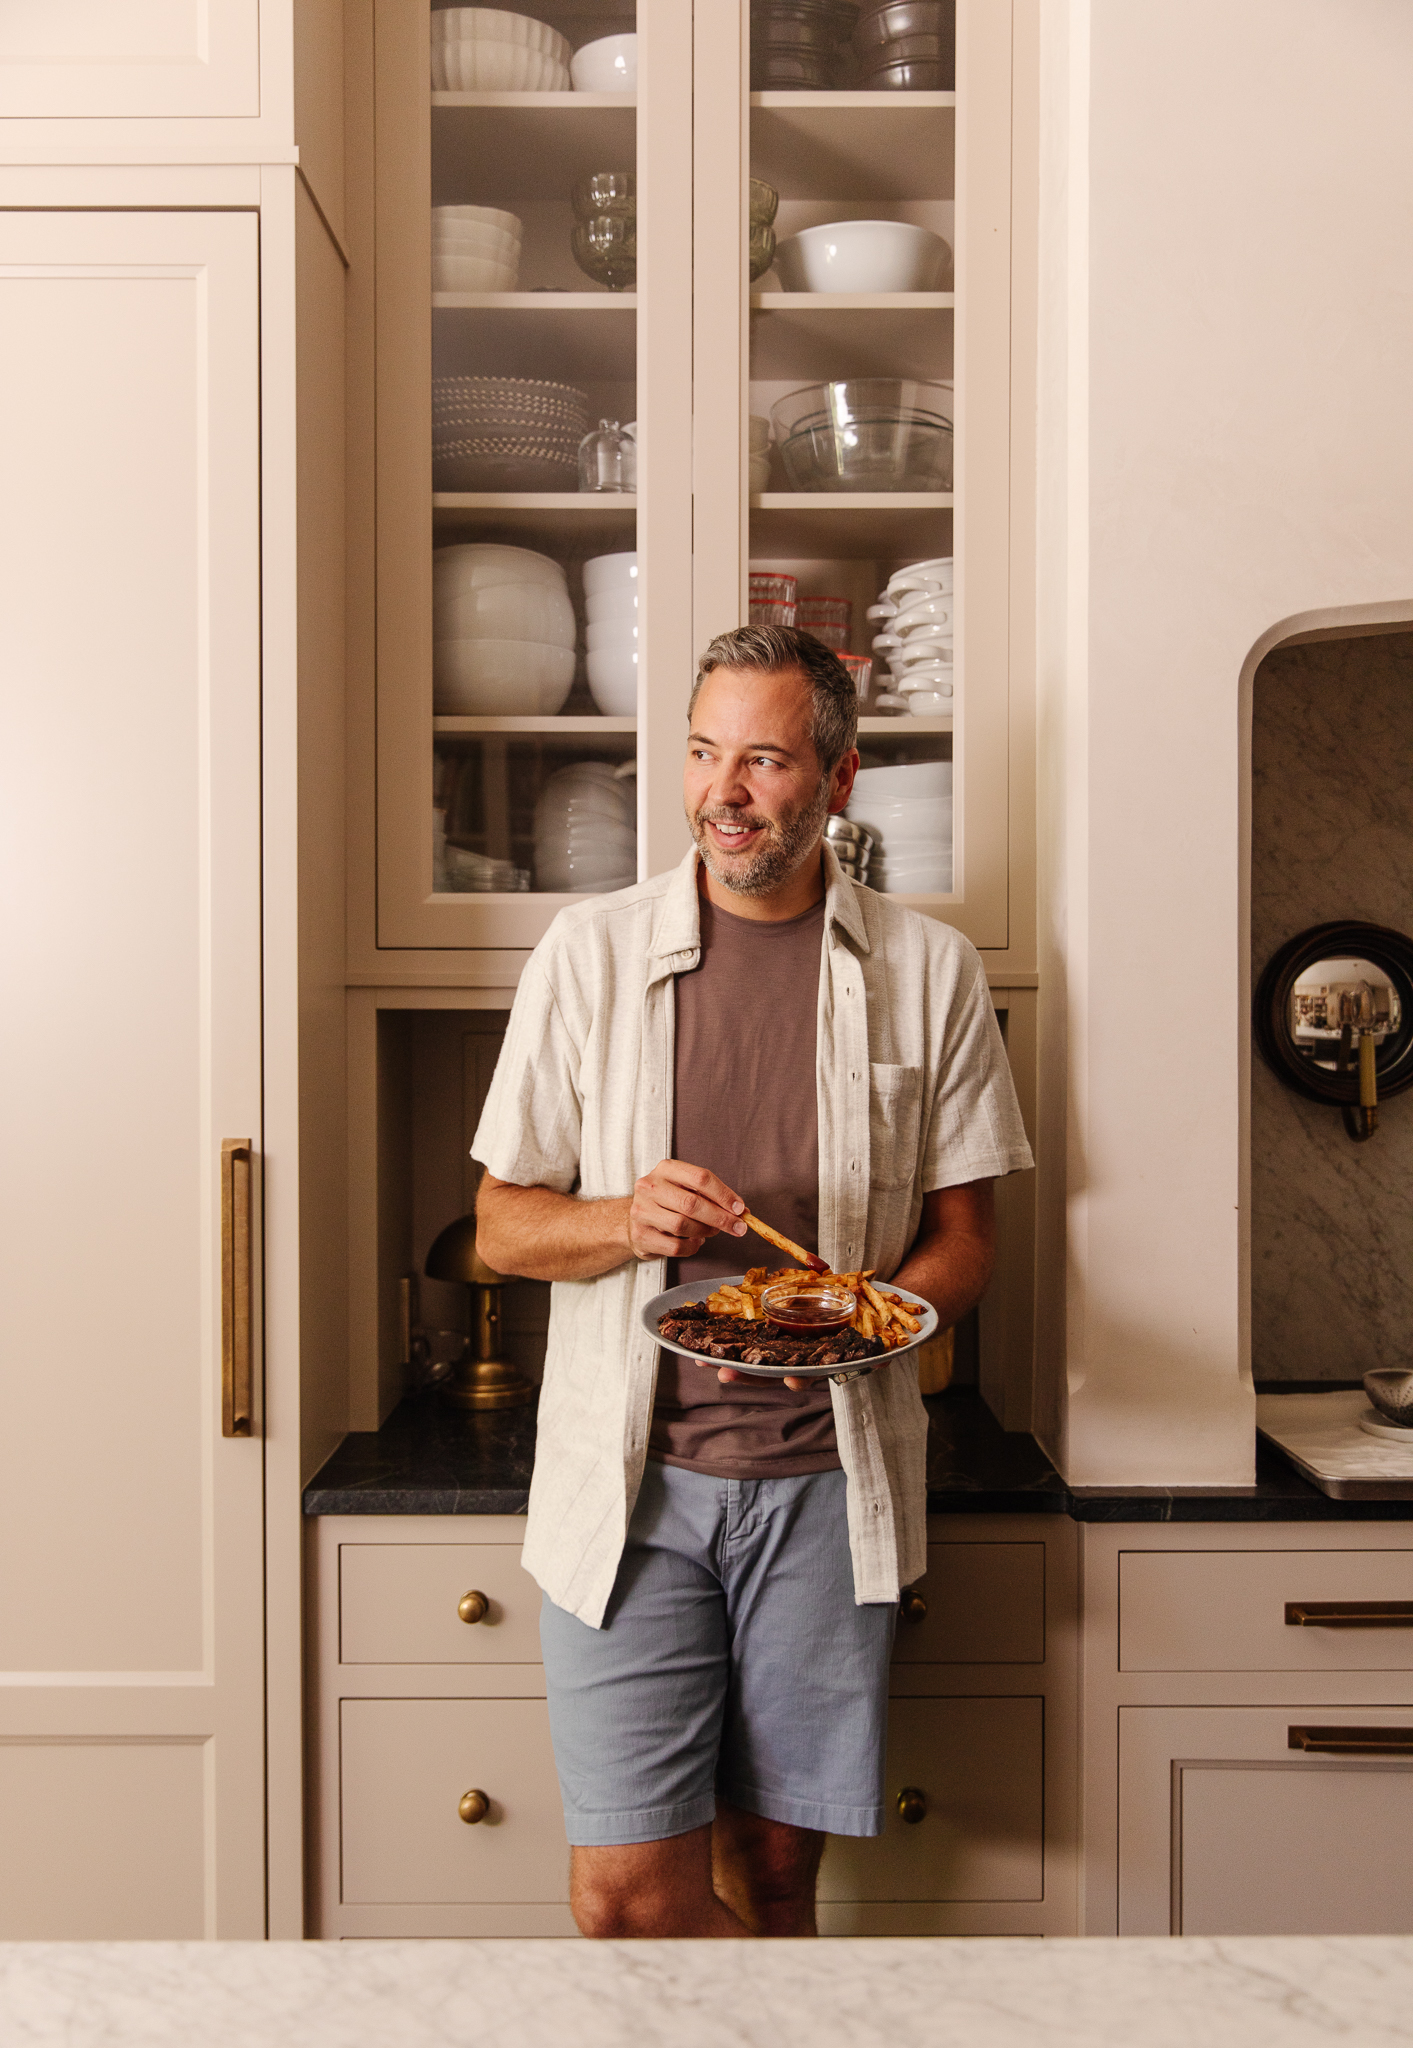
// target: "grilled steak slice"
[[733, 1340]]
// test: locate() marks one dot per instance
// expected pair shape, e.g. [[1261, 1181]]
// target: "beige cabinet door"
[[129, 58], [978, 1765], [131, 1647], [1224, 1828]]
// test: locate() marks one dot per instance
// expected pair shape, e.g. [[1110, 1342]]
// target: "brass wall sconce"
[[480, 1377], [1333, 1017]]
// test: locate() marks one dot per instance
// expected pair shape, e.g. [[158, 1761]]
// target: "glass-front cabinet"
[[683, 318]]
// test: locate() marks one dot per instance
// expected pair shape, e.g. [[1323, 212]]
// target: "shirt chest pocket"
[[894, 1112]]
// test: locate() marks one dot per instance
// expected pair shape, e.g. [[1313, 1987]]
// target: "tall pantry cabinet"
[[171, 336]]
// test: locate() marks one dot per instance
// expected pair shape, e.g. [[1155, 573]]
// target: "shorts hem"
[[821, 1815], [642, 1824]]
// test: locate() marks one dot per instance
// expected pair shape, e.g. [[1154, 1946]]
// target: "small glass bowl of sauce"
[[816, 1311]]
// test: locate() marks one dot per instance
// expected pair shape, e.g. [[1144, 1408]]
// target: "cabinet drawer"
[[404, 1766], [984, 1602], [979, 1764], [1227, 1610], [399, 1602]]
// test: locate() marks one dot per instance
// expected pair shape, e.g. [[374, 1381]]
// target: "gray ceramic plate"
[[698, 1290]]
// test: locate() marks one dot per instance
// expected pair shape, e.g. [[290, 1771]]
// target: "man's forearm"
[[950, 1270], [541, 1235]]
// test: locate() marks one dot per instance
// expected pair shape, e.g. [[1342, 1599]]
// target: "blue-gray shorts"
[[733, 1662]]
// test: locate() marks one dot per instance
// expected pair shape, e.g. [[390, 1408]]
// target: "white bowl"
[[480, 217], [499, 678], [938, 574], [759, 474], [926, 611], [610, 572], [760, 433], [621, 602], [934, 879], [928, 675], [481, 236], [914, 651], [506, 611], [473, 274], [498, 25], [482, 65], [614, 635], [909, 779], [593, 874], [862, 256], [474, 564], [931, 704], [609, 65], [613, 679]]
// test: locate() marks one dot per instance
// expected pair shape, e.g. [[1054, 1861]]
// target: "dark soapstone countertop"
[[430, 1459]]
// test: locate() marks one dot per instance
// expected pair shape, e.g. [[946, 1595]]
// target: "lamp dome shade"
[[454, 1257]]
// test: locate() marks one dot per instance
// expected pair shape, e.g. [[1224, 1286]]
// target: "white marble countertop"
[[531, 1994]]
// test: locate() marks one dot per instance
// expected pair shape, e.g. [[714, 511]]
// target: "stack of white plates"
[[909, 812], [916, 616], [611, 605], [475, 249], [506, 434], [488, 49], [503, 633], [586, 833]]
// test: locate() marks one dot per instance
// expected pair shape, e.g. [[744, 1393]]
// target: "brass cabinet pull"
[[912, 1805], [237, 1281], [473, 1607], [1352, 1741], [1349, 1613], [913, 1605], [473, 1806]]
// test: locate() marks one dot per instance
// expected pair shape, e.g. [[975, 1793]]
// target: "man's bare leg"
[[650, 1890], [765, 1871]]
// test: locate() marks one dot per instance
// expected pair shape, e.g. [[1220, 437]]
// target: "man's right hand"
[[677, 1207]]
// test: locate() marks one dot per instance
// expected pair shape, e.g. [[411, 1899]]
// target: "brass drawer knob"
[[913, 1605], [912, 1805], [473, 1607], [473, 1806]]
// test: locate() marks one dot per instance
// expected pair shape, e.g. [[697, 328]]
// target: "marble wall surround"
[[1331, 836]]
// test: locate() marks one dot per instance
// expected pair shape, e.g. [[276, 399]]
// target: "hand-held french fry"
[[785, 1244], [880, 1314]]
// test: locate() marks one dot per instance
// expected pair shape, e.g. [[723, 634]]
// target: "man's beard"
[[787, 846]]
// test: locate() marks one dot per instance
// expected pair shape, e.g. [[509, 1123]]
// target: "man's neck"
[[799, 893]]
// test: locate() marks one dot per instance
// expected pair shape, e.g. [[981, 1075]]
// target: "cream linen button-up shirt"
[[914, 1095]]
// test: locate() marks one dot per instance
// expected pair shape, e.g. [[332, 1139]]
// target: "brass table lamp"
[[480, 1378]]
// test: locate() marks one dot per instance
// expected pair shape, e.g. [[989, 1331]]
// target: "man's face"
[[755, 798]]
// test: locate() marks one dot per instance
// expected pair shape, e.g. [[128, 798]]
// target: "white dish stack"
[[908, 810], [506, 434], [586, 829], [503, 632], [475, 249], [611, 606], [488, 49], [916, 613]]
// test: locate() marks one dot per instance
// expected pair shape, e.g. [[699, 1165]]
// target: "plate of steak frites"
[[726, 1322]]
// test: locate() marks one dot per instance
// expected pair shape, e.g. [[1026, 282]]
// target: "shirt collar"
[[677, 937]]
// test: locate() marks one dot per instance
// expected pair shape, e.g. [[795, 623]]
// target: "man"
[[721, 1557]]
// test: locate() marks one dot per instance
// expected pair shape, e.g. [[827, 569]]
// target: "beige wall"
[[1225, 449]]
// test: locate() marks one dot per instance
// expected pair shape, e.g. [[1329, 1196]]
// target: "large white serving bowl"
[[613, 679], [610, 572], [500, 678], [474, 564], [608, 65], [506, 611], [483, 65], [473, 273], [478, 217], [459, 231], [498, 25], [601, 606], [486, 245], [907, 779], [862, 256], [585, 788], [612, 635]]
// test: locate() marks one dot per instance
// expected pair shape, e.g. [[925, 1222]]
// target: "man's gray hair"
[[774, 650]]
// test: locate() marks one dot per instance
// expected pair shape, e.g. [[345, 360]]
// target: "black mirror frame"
[[1387, 949]]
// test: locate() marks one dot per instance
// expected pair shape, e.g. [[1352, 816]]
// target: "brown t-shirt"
[[745, 1106]]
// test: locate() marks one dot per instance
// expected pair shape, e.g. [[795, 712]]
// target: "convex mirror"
[[1334, 1017]]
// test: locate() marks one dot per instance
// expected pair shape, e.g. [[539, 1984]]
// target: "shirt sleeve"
[[974, 1129], [531, 1126]]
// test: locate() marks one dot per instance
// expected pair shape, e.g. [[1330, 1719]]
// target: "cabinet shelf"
[[610, 517], [528, 145], [903, 727], [824, 335], [863, 145], [843, 526], [543, 728], [556, 335]]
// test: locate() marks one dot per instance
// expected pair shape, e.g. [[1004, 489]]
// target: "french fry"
[[785, 1244]]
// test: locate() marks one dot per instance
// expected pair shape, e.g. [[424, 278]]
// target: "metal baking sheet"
[[1320, 1434], [698, 1290]]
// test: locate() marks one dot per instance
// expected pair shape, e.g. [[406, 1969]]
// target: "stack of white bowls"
[[760, 453], [909, 812], [475, 249], [586, 832], [506, 434], [611, 606], [488, 49], [503, 632], [916, 613]]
